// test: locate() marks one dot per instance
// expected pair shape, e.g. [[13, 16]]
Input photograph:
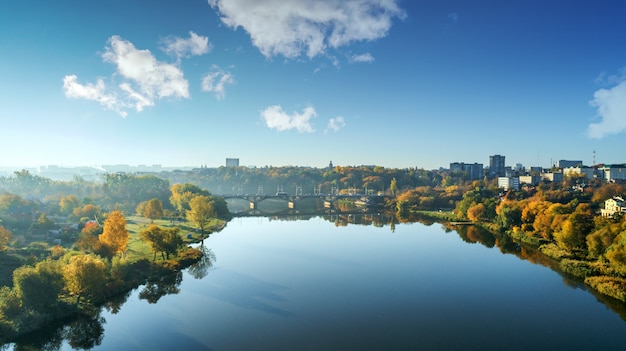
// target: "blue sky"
[[395, 83]]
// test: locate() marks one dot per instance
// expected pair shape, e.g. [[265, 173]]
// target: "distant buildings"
[[508, 183], [474, 171], [232, 162], [496, 166], [566, 163]]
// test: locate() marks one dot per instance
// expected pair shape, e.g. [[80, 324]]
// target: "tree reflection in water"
[[81, 333], [165, 285], [201, 268], [85, 332]]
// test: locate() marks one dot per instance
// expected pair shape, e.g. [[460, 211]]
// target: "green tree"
[[38, 287], [166, 241], [85, 275]]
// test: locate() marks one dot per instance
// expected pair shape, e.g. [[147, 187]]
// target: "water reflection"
[[81, 333], [202, 268], [234, 286], [165, 285]]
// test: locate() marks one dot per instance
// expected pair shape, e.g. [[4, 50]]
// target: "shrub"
[[611, 286]]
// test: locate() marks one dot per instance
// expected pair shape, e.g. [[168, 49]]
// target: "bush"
[[578, 268], [554, 251], [610, 286]]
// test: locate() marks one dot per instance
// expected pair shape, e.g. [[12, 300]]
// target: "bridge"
[[293, 202]]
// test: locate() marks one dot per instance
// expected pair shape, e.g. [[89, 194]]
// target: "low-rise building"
[[614, 173], [507, 183], [552, 176], [587, 172], [612, 206], [530, 179]]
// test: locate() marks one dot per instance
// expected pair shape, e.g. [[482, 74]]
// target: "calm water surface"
[[312, 285]]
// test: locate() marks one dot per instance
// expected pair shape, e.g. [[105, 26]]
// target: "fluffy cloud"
[[366, 57], [216, 81], [94, 92], [335, 124], [276, 118], [154, 79], [144, 78], [296, 27], [611, 105], [195, 45]]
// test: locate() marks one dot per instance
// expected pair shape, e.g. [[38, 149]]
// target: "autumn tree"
[[201, 212], [166, 241], [89, 211], [183, 193], [393, 187], [5, 238], [85, 275], [476, 213], [68, 203], [88, 238], [575, 228], [153, 209], [115, 236]]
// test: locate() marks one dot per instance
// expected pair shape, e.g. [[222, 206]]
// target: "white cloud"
[[303, 27], [155, 79], [611, 105], [93, 92], [366, 57], [216, 81], [195, 45], [276, 118], [335, 124], [144, 79]]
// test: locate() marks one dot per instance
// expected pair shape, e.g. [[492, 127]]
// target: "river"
[[325, 284]]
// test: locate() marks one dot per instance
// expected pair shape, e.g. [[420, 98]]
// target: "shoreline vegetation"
[[68, 247], [595, 274], [119, 276]]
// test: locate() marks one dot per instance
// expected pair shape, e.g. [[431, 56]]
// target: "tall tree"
[[115, 235], [201, 212], [153, 209]]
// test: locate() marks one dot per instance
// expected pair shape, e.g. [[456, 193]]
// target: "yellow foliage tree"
[[201, 212], [115, 236], [5, 237], [85, 275]]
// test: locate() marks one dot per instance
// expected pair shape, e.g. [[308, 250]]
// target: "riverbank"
[[596, 274]]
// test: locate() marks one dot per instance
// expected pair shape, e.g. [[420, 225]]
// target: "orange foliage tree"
[[115, 236]]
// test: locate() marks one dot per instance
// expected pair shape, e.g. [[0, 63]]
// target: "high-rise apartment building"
[[496, 166]]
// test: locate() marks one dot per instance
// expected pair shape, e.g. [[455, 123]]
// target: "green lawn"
[[138, 249]]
